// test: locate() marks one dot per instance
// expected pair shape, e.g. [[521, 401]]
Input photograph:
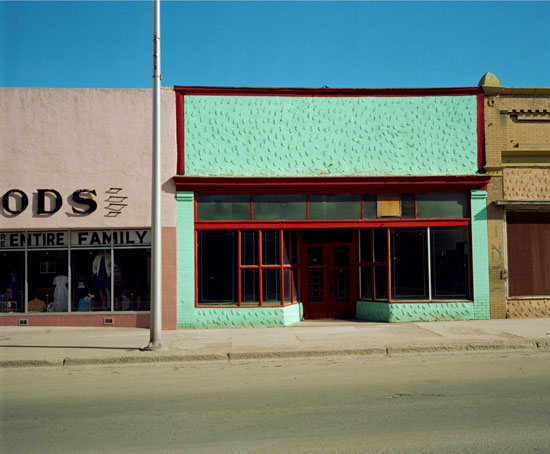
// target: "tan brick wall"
[[505, 132], [526, 184], [528, 308], [495, 227]]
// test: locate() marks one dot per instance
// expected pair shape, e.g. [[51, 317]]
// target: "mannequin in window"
[[101, 269], [60, 294]]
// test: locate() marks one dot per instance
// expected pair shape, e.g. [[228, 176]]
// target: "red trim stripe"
[[180, 133], [323, 185], [480, 131]]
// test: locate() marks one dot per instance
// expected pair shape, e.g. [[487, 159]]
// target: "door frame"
[[353, 276]]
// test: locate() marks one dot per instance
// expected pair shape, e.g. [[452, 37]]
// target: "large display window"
[[75, 271]]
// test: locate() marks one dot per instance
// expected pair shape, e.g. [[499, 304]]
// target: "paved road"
[[476, 403]]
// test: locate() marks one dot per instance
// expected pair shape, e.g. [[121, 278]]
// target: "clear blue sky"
[[275, 44]]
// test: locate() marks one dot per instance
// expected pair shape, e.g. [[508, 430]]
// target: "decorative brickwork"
[[526, 184], [528, 308], [309, 136]]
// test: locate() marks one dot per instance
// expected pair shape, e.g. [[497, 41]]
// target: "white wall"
[[69, 139]]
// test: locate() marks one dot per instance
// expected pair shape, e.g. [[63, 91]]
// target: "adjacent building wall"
[[96, 139], [517, 149]]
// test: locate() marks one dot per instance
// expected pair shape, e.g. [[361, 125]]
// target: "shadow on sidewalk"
[[72, 346]]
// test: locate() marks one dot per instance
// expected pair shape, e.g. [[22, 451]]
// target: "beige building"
[[517, 150], [75, 212]]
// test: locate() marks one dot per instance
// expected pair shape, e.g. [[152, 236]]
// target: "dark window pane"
[[315, 255], [271, 252], [442, 205], [380, 245], [407, 206], [334, 206], [380, 283], [369, 206], [286, 281], [279, 207], [217, 260], [82, 289], [12, 281], [366, 282], [47, 275], [249, 286], [450, 262], [131, 279], [271, 286], [289, 247], [328, 236], [249, 247], [365, 244], [223, 207], [409, 278], [341, 255]]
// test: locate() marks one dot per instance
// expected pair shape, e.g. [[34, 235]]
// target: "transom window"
[[319, 207]]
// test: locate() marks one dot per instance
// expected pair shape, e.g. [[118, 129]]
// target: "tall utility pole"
[[155, 339]]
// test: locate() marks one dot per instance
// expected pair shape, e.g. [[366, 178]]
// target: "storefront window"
[[47, 279], [75, 271], [12, 281], [267, 275], [132, 279], [428, 263]]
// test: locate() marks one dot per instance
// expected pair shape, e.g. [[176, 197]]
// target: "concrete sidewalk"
[[52, 346]]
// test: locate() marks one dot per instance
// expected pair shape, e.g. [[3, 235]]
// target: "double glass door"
[[328, 281]]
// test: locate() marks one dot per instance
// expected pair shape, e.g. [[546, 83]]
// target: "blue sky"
[[275, 44]]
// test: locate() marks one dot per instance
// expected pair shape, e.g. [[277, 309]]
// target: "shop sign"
[[81, 199], [78, 238], [108, 238]]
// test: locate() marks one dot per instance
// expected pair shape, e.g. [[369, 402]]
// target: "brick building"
[[517, 149]]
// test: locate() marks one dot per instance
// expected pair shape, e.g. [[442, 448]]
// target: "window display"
[[76, 271]]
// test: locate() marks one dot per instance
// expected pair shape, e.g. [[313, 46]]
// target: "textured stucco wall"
[[526, 184], [414, 312], [69, 139], [310, 136]]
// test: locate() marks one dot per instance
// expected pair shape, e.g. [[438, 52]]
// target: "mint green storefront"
[[364, 204]]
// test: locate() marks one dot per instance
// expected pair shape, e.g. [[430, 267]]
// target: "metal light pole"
[[155, 339]]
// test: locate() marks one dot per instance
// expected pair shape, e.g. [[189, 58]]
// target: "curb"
[[536, 345]]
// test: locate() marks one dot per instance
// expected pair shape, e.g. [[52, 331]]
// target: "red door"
[[328, 281]]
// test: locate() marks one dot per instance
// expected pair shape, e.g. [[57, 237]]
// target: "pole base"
[[154, 347]]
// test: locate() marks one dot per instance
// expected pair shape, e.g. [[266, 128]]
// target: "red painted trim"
[[480, 131], [180, 133], [326, 92], [239, 258], [196, 235], [371, 223], [260, 279], [323, 185], [389, 265]]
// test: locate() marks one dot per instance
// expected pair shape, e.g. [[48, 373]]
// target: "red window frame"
[[292, 266]]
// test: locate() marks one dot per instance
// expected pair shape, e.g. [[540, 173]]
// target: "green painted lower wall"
[[253, 317], [414, 312]]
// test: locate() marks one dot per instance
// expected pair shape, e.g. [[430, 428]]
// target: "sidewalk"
[[61, 346]]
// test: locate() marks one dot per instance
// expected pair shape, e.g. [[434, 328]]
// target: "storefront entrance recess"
[[328, 276]]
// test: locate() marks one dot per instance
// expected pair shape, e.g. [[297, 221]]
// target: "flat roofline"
[[489, 90], [326, 92]]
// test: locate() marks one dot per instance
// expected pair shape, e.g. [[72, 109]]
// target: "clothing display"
[[61, 292], [102, 269], [37, 305]]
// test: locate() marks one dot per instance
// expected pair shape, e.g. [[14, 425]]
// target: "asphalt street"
[[469, 402]]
